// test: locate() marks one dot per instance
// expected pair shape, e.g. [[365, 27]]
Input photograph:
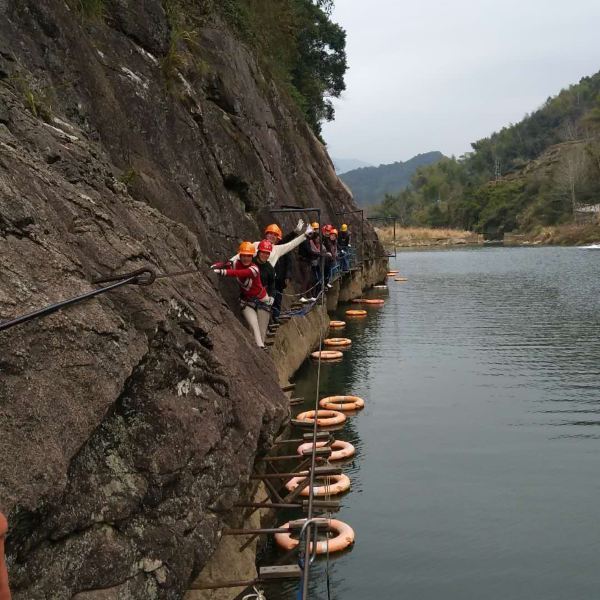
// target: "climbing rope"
[[140, 277], [256, 594]]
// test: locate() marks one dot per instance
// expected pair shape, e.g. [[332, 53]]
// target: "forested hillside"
[[371, 184], [535, 172]]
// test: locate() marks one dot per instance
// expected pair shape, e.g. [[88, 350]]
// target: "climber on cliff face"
[[332, 265], [283, 266], [254, 299], [280, 254], [268, 279], [310, 256], [344, 247]]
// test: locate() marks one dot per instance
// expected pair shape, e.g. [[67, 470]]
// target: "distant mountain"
[[370, 184], [342, 165]]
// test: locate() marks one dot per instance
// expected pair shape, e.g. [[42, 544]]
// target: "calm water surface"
[[477, 474]]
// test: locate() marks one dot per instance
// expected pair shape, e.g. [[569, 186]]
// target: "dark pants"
[[345, 260], [306, 279], [316, 279], [276, 309]]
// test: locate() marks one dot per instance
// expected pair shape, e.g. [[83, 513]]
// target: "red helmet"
[[265, 246], [326, 229]]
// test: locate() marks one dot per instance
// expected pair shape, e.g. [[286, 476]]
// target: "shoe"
[[304, 300], [329, 286], [312, 299]]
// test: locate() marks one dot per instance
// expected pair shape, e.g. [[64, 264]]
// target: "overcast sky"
[[438, 75]]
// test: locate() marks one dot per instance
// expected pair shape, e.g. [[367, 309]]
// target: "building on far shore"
[[590, 213]]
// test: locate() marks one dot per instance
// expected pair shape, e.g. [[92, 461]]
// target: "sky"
[[433, 75]]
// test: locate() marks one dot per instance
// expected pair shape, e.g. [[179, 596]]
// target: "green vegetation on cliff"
[[534, 173], [304, 49]]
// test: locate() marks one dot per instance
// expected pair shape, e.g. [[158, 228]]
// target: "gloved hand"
[[268, 300], [221, 272], [308, 230], [299, 226]]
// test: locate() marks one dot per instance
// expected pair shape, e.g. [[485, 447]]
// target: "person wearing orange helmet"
[[281, 247], [273, 234], [254, 298]]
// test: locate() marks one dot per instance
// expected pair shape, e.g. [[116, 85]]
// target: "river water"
[[477, 474]]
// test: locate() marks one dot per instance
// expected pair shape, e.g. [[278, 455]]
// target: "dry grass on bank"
[[565, 235], [423, 236]]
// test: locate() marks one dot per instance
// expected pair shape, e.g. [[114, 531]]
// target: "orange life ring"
[[325, 418], [343, 403], [337, 342], [344, 538], [358, 300], [337, 323], [341, 484], [327, 354], [356, 313], [374, 301], [341, 449], [401, 279], [380, 287]]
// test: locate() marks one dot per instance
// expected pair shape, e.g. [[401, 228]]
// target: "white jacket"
[[278, 249]]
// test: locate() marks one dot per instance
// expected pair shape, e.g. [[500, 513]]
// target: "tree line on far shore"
[[533, 173]]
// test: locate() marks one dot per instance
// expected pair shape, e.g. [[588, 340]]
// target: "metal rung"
[[280, 572], [326, 451], [297, 423], [324, 471], [324, 504], [296, 526], [321, 436], [288, 388]]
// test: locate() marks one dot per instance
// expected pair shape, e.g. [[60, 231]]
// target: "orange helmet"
[[246, 249], [275, 230]]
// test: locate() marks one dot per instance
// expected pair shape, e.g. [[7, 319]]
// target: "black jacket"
[[267, 275], [344, 239], [283, 268]]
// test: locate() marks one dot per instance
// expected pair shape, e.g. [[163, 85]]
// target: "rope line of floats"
[[330, 411]]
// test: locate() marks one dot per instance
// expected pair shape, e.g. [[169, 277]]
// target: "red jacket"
[[251, 286]]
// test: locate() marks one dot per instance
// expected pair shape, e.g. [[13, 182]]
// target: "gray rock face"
[[129, 425]]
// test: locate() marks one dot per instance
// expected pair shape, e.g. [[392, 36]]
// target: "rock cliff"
[[129, 425]]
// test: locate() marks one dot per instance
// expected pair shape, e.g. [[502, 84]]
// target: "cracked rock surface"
[[129, 425]]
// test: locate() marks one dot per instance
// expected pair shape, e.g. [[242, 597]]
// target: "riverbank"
[[415, 237], [421, 237], [560, 235]]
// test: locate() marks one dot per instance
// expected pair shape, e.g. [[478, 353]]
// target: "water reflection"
[[476, 465]]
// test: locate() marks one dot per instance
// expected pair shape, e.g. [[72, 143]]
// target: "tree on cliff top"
[[303, 48], [318, 74]]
